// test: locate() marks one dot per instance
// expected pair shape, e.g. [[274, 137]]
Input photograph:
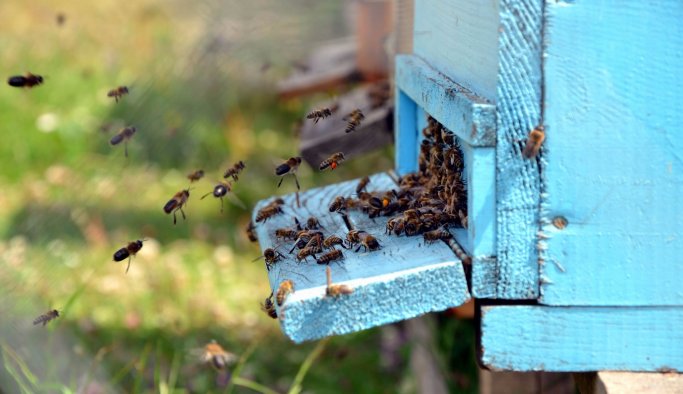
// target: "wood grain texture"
[[403, 279], [540, 338], [614, 161], [459, 38]]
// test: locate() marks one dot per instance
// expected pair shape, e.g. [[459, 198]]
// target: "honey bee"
[[353, 120], [286, 233], [288, 167], [195, 176], [27, 81], [332, 255], [395, 225], [267, 212], [318, 114], [533, 143], [176, 203], [234, 171], [367, 242], [215, 355], [312, 223], [560, 222], [334, 290], [338, 204], [304, 253], [128, 251], [269, 307], [332, 240], [285, 289], [271, 256], [220, 191], [46, 317], [362, 184], [436, 235], [123, 136], [118, 92], [333, 161], [352, 237], [250, 232], [463, 218]]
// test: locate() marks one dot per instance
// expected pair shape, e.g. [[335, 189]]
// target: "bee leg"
[[221, 204], [174, 218], [280, 183], [127, 268], [358, 248], [183, 212], [297, 182], [125, 149]]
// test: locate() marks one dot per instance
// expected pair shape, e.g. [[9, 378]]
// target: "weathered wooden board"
[[543, 338], [614, 166], [403, 279]]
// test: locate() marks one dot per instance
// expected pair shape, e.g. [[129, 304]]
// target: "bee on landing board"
[[289, 167], [334, 290], [118, 92], [234, 171], [333, 161], [128, 251], [176, 203], [27, 81], [271, 256], [250, 230], [533, 143], [353, 120], [195, 176], [362, 184], [332, 255], [46, 317], [214, 354], [319, 114], [286, 288], [268, 306], [266, 213], [123, 136], [436, 235], [332, 240]]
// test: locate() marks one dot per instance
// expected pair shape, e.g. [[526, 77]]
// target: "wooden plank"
[[563, 339], [613, 149], [406, 133], [470, 117], [401, 280], [459, 38]]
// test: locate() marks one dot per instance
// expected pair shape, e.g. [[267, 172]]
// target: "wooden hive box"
[[602, 292]]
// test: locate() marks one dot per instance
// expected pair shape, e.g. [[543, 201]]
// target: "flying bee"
[[318, 114], [221, 190], [286, 288], [362, 184], [334, 290], [333, 161], [367, 242], [214, 354], [353, 120], [312, 223], [271, 256], [338, 204], [269, 307], [250, 232], [118, 92], [267, 212], [332, 240], [285, 233], [289, 167], [234, 170], [436, 235], [195, 176], [123, 136], [332, 255], [27, 81], [176, 203], [128, 251], [46, 317], [533, 143]]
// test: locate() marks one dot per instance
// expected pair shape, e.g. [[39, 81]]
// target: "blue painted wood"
[[469, 116], [401, 280], [613, 161], [460, 39], [539, 338], [406, 133]]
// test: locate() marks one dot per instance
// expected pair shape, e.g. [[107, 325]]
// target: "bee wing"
[[235, 200]]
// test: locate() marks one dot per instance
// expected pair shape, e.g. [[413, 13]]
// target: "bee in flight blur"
[[533, 143], [27, 81], [353, 120], [46, 317], [289, 167], [176, 203], [123, 136], [214, 354], [234, 171], [195, 176], [332, 161], [118, 92], [319, 114], [128, 251]]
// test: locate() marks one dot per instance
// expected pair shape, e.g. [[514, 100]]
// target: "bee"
[[271, 256], [463, 218], [267, 212], [269, 307], [304, 253], [334, 290], [352, 237], [560, 222], [338, 204], [533, 143], [333, 161], [195, 176], [395, 225], [286, 233], [353, 120], [285, 289], [123, 136], [367, 242], [318, 114], [312, 223], [27, 81], [435, 235], [288, 167], [220, 191], [118, 92], [332, 240], [215, 355], [176, 203], [332, 255], [128, 251], [250, 232], [362, 184], [234, 170], [46, 317]]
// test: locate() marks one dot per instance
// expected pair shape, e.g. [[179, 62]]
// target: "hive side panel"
[[614, 154]]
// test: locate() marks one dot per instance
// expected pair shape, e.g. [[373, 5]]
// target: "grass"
[[70, 200]]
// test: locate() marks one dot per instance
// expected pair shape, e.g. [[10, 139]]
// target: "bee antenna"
[[206, 195]]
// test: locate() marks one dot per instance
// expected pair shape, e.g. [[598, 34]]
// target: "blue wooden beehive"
[[577, 254]]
